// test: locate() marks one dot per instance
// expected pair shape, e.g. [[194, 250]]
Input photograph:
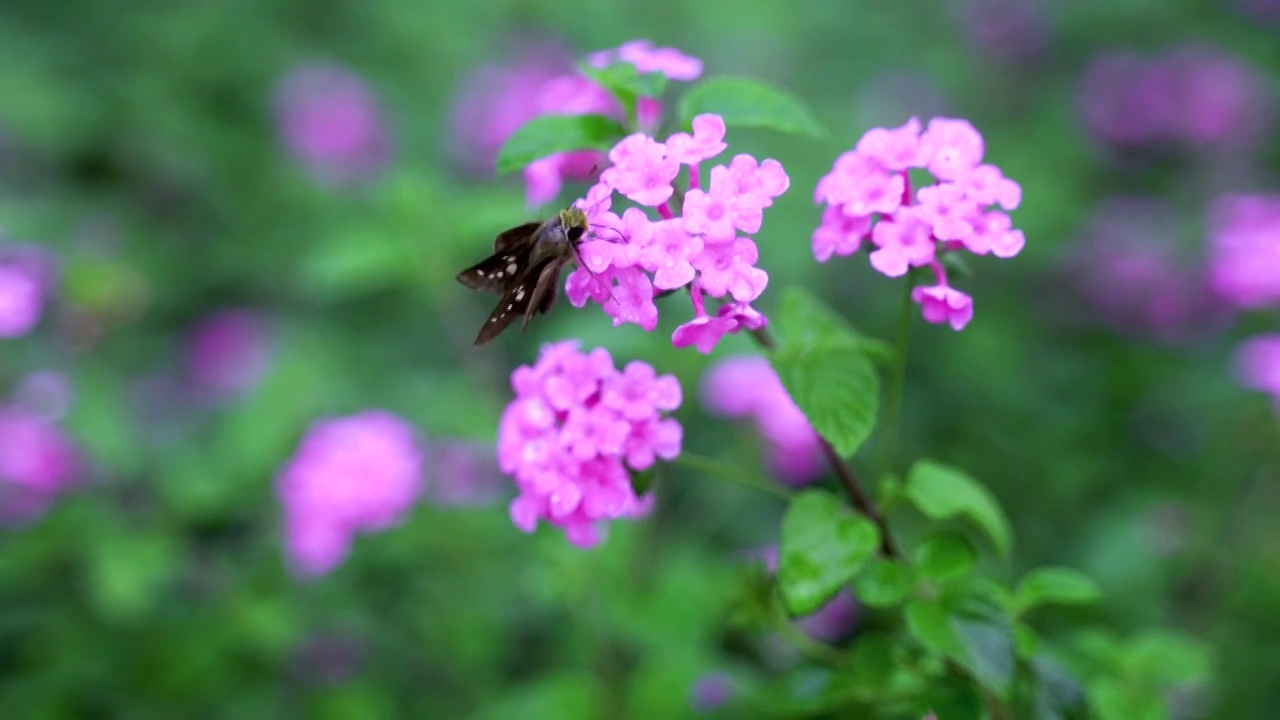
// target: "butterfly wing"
[[509, 239], [544, 293], [495, 273], [515, 302]]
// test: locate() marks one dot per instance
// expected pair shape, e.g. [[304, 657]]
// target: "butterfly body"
[[525, 269]]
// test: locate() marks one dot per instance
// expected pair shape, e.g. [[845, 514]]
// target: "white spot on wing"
[[520, 294], [511, 267]]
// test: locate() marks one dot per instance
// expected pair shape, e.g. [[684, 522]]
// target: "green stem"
[[715, 468], [897, 382]]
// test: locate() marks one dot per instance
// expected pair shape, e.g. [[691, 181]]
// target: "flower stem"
[[861, 501], [897, 382], [720, 470]]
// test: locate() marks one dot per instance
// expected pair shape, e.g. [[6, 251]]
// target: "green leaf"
[[550, 134], [802, 319], [942, 492], [885, 583], [625, 83], [983, 648], [1025, 639], [989, 652], [1055, 586], [837, 389], [744, 102], [1163, 658], [824, 544], [931, 626], [1058, 694], [564, 694], [1114, 700], [953, 698], [944, 556]]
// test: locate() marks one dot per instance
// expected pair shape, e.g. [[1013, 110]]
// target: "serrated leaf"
[[940, 492], [943, 556], [836, 387], [744, 102], [824, 544], [884, 583], [1055, 586], [550, 134]]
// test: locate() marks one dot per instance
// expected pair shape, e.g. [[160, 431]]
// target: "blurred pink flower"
[[1194, 95], [747, 387], [1257, 365], [462, 473], [38, 461], [26, 279], [330, 120], [1244, 249], [1128, 266], [45, 394], [495, 99], [1007, 30], [227, 351], [352, 474], [711, 691]]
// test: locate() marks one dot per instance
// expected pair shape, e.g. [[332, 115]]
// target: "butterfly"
[[525, 268]]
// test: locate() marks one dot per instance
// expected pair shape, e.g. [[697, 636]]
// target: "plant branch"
[[849, 481]]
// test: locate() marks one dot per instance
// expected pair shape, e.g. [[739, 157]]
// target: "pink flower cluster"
[[629, 259], [352, 474], [575, 430], [1128, 266], [227, 351], [38, 461], [1257, 365], [747, 387], [499, 99], [26, 276], [869, 197], [1196, 96], [1244, 250], [330, 120]]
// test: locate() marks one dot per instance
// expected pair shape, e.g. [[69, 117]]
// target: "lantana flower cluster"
[[576, 430], [869, 199], [332, 123], [1244, 270], [26, 281], [360, 473], [38, 460], [499, 99], [746, 386], [700, 244], [1190, 96]]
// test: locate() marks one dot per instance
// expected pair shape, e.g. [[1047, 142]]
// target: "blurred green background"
[[140, 144]]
